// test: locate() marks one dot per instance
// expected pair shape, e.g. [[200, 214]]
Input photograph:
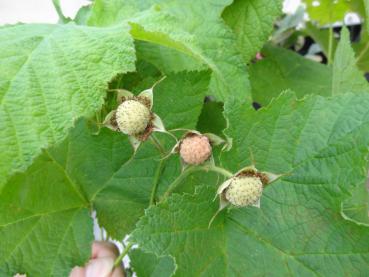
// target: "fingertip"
[[102, 249], [78, 272]]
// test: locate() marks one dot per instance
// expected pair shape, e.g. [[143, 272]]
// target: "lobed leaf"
[[148, 265], [50, 75], [281, 69], [181, 26], [252, 21], [45, 226], [299, 229]]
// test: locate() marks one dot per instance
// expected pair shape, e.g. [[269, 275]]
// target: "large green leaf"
[[149, 265], [252, 21], [283, 69], [181, 26], [361, 49], [321, 147], [346, 77], [179, 98], [212, 119], [168, 60], [44, 218], [49, 76]]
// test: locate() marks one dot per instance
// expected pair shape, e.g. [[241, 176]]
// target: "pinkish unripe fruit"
[[244, 190], [195, 149]]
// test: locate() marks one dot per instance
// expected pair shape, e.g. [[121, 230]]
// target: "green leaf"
[[211, 119], [107, 13], [149, 265], [179, 99], [361, 49], [321, 147], [356, 208], [168, 60], [366, 7], [282, 69], [122, 199], [252, 21], [83, 15], [49, 76], [329, 11], [43, 220], [181, 26], [346, 77]]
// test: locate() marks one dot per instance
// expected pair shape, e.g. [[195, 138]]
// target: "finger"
[[104, 249], [101, 267], [77, 272]]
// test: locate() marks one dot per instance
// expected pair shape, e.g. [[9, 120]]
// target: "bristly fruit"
[[195, 149], [244, 188], [132, 117], [244, 191]]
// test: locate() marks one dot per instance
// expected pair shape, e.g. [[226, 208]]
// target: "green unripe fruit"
[[244, 191], [132, 117]]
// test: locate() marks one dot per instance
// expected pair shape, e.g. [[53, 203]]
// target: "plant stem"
[[219, 170], [330, 44], [158, 170], [123, 254], [58, 9], [362, 52], [192, 169], [156, 182], [157, 144]]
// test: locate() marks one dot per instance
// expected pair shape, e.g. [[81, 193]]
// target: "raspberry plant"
[[65, 154]]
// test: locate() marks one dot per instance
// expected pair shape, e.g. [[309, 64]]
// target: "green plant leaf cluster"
[[211, 65]]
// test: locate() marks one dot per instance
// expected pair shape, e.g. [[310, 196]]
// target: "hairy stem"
[[158, 170], [125, 251], [156, 182], [193, 169]]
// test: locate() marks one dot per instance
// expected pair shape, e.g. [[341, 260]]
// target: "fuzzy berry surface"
[[132, 117], [195, 149], [244, 191]]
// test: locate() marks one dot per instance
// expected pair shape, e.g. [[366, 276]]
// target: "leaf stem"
[[157, 144], [59, 11], [156, 182], [362, 52], [330, 44], [173, 186], [123, 254]]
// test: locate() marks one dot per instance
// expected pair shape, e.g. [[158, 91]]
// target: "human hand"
[[101, 263]]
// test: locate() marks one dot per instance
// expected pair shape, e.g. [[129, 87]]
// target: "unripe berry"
[[195, 149], [132, 117], [244, 190]]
